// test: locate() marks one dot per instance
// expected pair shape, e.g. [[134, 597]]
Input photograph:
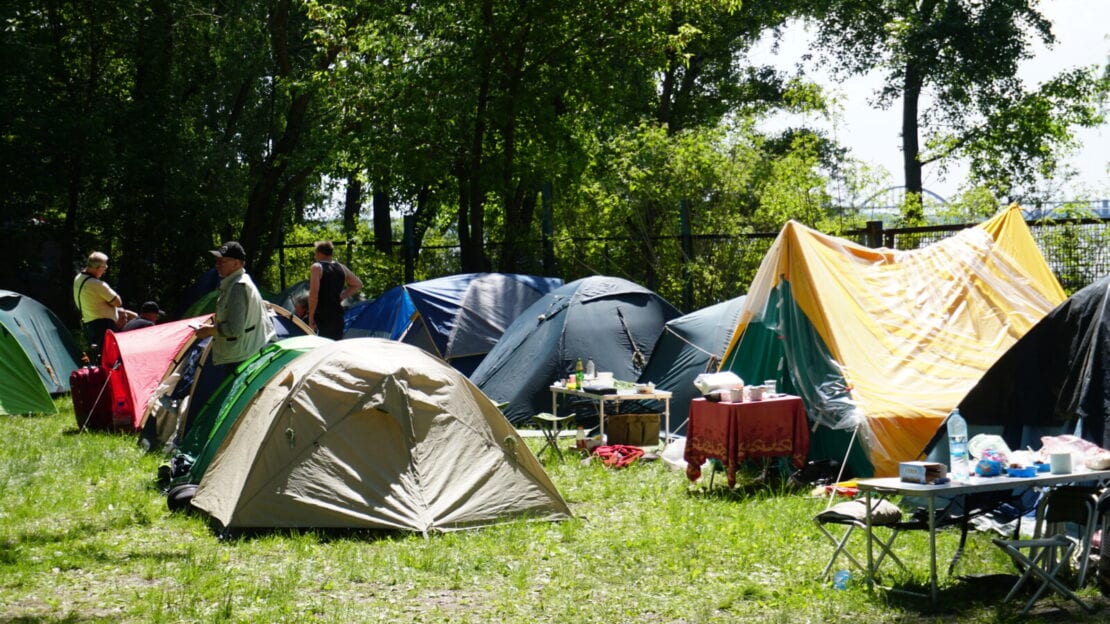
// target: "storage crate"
[[632, 429]]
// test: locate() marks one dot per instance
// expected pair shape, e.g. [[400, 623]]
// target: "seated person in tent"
[[149, 313], [241, 325], [329, 283], [300, 307], [101, 307]]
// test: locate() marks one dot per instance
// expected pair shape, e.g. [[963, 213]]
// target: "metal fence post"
[[548, 232], [409, 248], [874, 233], [687, 257]]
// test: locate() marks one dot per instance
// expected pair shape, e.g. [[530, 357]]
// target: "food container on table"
[[732, 395], [1023, 471], [988, 468]]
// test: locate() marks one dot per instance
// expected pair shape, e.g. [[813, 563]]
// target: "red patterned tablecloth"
[[733, 432]]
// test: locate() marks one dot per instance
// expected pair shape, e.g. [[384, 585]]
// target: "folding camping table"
[[890, 486], [615, 399]]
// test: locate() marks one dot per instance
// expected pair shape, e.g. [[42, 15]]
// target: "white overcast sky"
[[1082, 29]]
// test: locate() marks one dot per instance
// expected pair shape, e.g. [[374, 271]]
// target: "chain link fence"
[[708, 268]]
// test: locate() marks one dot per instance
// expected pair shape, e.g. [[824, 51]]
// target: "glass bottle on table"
[[579, 374]]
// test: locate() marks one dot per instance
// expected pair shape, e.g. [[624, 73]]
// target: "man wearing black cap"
[[149, 313], [241, 325]]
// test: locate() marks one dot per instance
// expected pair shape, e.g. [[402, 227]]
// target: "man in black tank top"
[[329, 284]]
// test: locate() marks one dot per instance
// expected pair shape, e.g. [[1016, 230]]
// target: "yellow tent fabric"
[[910, 332]]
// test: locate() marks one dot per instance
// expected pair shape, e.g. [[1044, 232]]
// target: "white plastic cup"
[[1060, 463], [755, 393]]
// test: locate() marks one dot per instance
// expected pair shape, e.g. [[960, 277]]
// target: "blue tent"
[[458, 317], [612, 321], [691, 345]]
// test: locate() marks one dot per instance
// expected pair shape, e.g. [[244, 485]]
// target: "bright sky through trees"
[[1082, 29]]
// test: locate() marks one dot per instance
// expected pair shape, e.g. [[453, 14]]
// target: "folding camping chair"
[[552, 427], [852, 515], [1039, 562], [1048, 554], [958, 512]]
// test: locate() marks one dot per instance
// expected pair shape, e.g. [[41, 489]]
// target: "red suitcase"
[[92, 399]]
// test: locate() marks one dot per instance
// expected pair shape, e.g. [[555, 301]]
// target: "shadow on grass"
[[988, 591], [753, 480], [71, 618], [320, 536], [113, 433]]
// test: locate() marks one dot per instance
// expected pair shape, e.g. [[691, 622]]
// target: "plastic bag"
[[1079, 448], [982, 444]]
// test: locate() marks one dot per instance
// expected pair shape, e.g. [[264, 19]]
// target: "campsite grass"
[[85, 537]]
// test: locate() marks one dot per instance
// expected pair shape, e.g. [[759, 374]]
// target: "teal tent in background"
[[37, 356], [689, 346]]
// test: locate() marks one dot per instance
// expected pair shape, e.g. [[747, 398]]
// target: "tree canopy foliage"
[[953, 66], [152, 130]]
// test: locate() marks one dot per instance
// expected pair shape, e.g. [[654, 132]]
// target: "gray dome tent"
[[610, 320], [372, 433], [690, 345]]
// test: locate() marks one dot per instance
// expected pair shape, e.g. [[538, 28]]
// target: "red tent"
[[139, 360]]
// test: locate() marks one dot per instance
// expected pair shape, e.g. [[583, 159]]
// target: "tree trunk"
[[383, 221], [911, 149], [352, 206], [472, 189]]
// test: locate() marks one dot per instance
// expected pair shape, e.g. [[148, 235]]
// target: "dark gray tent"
[[1055, 375], [691, 345], [610, 320]]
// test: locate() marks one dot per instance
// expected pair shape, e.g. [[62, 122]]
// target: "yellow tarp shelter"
[[890, 341]]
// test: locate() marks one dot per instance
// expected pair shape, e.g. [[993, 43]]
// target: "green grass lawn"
[[85, 536]]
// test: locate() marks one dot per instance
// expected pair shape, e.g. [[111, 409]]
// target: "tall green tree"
[[472, 107], [953, 64]]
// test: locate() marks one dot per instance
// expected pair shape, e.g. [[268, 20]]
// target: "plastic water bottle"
[[957, 446], [841, 578]]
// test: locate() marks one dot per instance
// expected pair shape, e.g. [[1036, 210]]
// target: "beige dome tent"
[[372, 433]]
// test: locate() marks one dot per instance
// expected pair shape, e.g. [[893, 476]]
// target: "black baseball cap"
[[151, 306], [230, 249]]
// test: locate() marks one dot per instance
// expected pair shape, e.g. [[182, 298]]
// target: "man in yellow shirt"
[[101, 307]]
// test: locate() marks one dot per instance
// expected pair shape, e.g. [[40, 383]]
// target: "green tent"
[[206, 432], [206, 303], [37, 356]]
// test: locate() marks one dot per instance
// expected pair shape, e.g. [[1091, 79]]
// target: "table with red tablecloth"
[[734, 432]]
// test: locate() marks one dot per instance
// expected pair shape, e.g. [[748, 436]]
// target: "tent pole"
[[843, 463], [92, 409]]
